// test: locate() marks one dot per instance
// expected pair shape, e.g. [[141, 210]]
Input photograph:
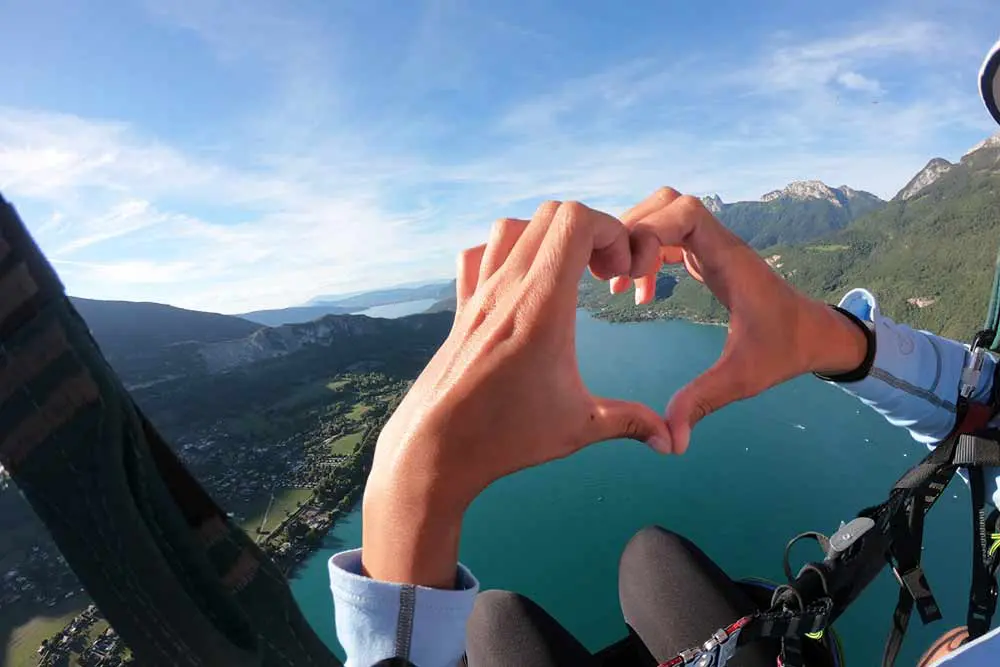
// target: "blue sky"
[[230, 155]]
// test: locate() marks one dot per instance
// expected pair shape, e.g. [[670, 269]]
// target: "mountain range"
[[321, 306], [802, 211], [928, 254], [929, 251]]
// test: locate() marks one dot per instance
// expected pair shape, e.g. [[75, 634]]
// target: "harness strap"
[[975, 451], [983, 589]]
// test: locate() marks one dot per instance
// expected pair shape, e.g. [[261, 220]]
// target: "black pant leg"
[[509, 630], [674, 597]]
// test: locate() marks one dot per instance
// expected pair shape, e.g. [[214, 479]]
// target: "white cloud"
[[859, 82], [304, 200]]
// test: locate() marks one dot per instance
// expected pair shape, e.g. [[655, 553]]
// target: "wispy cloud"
[[336, 182]]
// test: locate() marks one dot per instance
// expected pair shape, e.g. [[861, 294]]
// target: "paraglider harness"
[[887, 534]]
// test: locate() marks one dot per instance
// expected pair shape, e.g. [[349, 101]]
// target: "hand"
[[502, 393], [775, 332]]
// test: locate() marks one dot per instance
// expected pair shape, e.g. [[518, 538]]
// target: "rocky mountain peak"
[[713, 203], [989, 142], [932, 172], [804, 190]]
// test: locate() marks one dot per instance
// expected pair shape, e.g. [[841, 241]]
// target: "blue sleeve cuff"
[[378, 620]]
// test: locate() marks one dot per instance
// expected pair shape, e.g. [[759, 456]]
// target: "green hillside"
[[929, 259]]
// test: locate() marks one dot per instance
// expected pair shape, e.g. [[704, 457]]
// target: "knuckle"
[[689, 203], [467, 256], [631, 428], [667, 194], [571, 212], [502, 227], [548, 208], [702, 408]]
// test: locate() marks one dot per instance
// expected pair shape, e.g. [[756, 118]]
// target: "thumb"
[[625, 419], [715, 388]]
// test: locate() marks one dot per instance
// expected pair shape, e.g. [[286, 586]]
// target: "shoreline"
[[615, 317]]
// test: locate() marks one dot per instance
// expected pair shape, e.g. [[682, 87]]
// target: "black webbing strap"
[[973, 450], [791, 652], [923, 484], [983, 589], [788, 624]]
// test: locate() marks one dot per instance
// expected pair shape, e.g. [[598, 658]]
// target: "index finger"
[[689, 225], [577, 237], [685, 223]]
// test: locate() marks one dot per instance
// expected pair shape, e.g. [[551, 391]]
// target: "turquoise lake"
[[803, 456]]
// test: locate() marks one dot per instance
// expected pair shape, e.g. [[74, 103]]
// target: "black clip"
[[915, 583]]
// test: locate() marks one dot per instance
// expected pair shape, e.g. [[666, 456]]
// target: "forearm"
[[914, 379], [915, 376], [408, 538]]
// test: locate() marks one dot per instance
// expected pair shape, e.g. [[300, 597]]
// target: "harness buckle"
[[915, 583], [715, 652], [972, 372]]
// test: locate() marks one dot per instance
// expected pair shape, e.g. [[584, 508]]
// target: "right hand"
[[503, 392], [775, 332]]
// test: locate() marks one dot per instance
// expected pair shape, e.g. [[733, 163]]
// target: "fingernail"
[[637, 299], [659, 444], [611, 285]]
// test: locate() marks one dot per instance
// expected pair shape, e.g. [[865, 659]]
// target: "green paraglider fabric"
[[177, 580]]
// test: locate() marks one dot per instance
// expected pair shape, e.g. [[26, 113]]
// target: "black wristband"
[[861, 372]]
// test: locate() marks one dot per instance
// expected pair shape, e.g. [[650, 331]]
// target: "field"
[[830, 247], [345, 444], [22, 641], [358, 411], [285, 502]]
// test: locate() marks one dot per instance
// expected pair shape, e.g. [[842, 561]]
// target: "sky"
[[232, 155]]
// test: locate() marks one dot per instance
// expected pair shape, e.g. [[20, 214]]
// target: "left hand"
[[502, 393], [775, 332]]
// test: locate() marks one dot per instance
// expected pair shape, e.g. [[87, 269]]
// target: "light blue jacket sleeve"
[[377, 620], [915, 378]]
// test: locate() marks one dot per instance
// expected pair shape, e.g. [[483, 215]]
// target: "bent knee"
[[653, 542]]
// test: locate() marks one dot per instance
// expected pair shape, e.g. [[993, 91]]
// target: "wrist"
[[410, 535], [842, 350]]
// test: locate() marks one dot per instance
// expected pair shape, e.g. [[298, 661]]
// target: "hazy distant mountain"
[[322, 306], [279, 316], [384, 297], [802, 211], [445, 304], [135, 336]]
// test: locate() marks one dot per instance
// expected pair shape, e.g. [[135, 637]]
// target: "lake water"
[[803, 456], [391, 311]]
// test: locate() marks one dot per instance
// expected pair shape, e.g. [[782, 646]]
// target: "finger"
[[522, 257], [467, 276], [661, 198], [644, 244], [614, 419], [645, 289], [686, 224], [671, 254], [503, 237], [717, 387], [578, 236], [619, 284]]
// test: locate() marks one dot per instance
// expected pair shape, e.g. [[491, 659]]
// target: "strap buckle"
[[972, 372], [915, 583], [715, 652]]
